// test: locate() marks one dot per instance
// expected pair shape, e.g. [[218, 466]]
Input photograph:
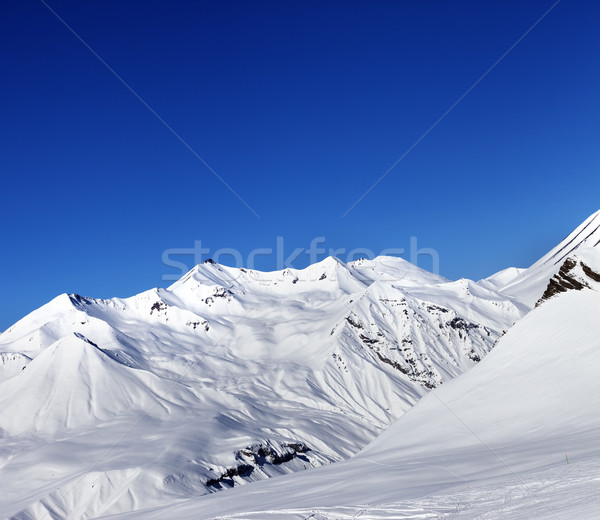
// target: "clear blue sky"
[[300, 107]]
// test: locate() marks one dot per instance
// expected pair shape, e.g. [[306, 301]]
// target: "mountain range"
[[371, 388]]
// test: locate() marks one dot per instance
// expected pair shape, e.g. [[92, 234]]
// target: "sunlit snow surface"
[[233, 376], [492, 443]]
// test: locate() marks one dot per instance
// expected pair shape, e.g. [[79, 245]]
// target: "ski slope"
[[232, 376], [489, 444], [227, 377]]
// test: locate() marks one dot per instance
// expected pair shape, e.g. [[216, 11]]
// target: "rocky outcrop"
[[257, 456], [573, 275]]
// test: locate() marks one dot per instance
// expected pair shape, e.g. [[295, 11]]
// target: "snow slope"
[[530, 283], [229, 376], [489, 444], [233, 376]]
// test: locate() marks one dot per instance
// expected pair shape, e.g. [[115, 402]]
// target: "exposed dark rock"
[[195, 324], [242, 470], [263, 454], [422, 377], [459, 323], [474, 356], [564, 281], [298, 447], [158, 306], [356, 324], [77, 298], [259, 455], [367, 340], [220, 292], [339, 361], [437, 308], [590, 273]]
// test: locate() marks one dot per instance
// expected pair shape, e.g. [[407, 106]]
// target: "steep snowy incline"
[[73, 382], [586, 235], [491, 443], [233, 376], [528, 285], [227, 377]]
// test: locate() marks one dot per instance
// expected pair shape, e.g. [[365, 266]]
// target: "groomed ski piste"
[[363, 390]]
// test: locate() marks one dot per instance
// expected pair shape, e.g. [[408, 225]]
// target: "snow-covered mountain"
[[233, 375], [528, 285], [515, 437]]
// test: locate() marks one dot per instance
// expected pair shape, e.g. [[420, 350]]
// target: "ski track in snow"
[[563, 493]]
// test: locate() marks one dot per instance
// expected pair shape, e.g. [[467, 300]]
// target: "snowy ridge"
[[529, 284], [586, 235], [449, 456], [232, 376], [222, 360], [575, 274]]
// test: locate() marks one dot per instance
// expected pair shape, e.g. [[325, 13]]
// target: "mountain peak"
[[587, 234], [530, 284]]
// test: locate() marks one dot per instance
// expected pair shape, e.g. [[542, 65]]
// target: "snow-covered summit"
[[233, 375], [332, 269], [529, 284], [515, 437], [230, 363], [586, 235]]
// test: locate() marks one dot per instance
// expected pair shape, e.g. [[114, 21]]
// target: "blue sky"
[[300, 107]]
